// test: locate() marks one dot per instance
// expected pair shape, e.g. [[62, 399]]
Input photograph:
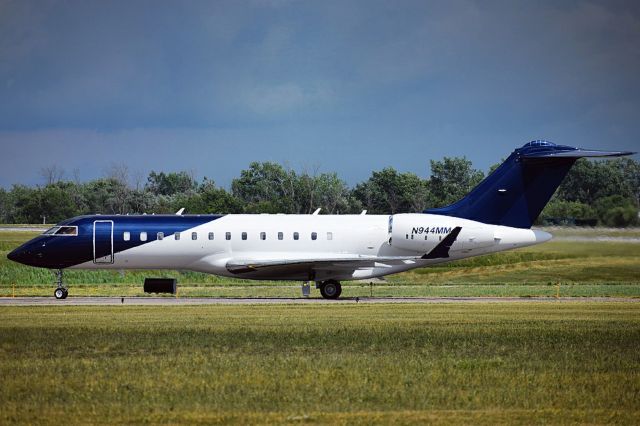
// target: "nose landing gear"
[[61, 292]]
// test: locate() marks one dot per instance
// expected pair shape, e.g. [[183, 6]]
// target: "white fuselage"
[[360, 240]]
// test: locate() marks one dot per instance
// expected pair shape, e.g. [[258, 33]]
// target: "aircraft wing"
[[343, 262]]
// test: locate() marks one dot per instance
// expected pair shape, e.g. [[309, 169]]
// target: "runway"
[[174, 301]]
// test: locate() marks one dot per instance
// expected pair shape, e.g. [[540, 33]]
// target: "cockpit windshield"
[[69, 231]]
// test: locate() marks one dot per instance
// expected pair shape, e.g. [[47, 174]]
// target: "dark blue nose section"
[[15, 255], [24, 254], [51, 252]]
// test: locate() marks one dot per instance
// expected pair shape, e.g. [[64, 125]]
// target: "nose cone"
[[17, 255], [14, 255], [23, 254]]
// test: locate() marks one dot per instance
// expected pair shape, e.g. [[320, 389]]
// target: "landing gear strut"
[[61, 292], [330, 289]]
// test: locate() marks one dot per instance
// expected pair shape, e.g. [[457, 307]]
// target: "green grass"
[[580, 268], [568, 231], [26, 225], [482, 363]]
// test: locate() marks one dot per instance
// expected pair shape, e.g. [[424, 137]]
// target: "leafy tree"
[[326, 191], [606, 190], [630, 170], [588, 181], [567, 209], [170, 183], [451, 179], [19, 197], [107, 196], [332, 194], [616, 210], [266, 188], [140, 202], [621, 216], [5, 205], [207, 199], [388, 191], [52, 203], [57, 202]]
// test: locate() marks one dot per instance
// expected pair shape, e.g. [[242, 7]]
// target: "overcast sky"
[[345, 86]]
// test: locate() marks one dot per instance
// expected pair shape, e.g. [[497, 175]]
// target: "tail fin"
[[517, 191]]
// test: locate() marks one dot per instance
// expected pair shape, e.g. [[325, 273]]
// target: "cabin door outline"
[[103, 241]]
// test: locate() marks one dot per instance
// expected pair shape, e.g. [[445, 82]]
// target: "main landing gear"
[[330, 289], [61, 292]]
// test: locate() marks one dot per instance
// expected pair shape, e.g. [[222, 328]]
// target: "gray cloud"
[[395, 82]]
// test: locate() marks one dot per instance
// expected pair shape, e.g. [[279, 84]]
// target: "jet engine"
[[418, 232], [422, 232]]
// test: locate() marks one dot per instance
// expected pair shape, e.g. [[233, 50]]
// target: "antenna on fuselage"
[[179, 212], [317, 211], [363, 212]]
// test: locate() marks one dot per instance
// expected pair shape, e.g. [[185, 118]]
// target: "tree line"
[[594, 192]]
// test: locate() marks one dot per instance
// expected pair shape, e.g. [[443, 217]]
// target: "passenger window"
[[160, 235], [177, 236], [126, 236], [314, 236], [194, 235], [244, 235], [211, 235], [296, 236], [329, 236], [280, 235], [228, 235], [143, 236], [263, 236]]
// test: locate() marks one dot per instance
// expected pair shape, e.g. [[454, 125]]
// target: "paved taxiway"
[[139, 301]]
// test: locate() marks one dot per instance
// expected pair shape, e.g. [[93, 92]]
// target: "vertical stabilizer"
[[517, 191]]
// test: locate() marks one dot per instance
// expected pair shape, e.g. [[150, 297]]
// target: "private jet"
[[496, 215]]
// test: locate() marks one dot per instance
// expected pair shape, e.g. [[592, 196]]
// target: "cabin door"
[[103, 241]]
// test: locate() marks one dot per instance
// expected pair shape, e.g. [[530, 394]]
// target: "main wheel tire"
[[66, 293], [331, 289], [60, 293]]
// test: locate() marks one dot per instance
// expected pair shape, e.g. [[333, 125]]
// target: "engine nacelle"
[[418, 232], [422, 232]]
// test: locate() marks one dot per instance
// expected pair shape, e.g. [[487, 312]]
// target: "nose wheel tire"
[[61, 293], [330, 289]]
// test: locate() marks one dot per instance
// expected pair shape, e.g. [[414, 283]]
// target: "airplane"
[[496, 215]]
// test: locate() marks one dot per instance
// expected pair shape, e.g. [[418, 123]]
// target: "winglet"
[[442, 249]]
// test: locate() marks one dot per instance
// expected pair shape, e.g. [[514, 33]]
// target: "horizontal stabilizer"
[[576, 153]]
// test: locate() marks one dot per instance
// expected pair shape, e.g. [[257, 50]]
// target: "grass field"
[[567, 268], [484, 363], [481, 363]]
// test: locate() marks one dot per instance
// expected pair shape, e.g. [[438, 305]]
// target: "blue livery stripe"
[[66, 251]]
